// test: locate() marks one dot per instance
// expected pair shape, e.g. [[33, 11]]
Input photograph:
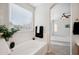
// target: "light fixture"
[[65, 15]]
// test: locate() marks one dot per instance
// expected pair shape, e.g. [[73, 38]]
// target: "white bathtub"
[[24, 45], [31, 47]]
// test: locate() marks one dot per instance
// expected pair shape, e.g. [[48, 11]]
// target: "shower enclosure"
[[60, 28]]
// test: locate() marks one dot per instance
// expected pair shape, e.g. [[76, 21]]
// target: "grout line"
[[71, 31]]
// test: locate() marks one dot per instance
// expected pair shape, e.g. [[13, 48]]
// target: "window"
[[20, 17]]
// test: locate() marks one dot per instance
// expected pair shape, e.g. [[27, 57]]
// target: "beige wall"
[[4, 14], [75, 15]]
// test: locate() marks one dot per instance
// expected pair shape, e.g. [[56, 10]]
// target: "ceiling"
[[41, 4], [36, 4]]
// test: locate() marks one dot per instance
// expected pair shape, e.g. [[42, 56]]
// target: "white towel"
[[38, 29]]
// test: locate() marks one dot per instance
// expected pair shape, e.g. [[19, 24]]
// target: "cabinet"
[[77, 46]]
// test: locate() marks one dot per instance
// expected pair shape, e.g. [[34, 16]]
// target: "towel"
[[76, 28], [38, 29]]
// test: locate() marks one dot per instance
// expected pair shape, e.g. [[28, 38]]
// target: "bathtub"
[[25, 45], [31, 47]]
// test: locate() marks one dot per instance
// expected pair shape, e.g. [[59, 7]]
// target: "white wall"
[[56, 18], [4, 14], [75, 15], [42, 18]]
